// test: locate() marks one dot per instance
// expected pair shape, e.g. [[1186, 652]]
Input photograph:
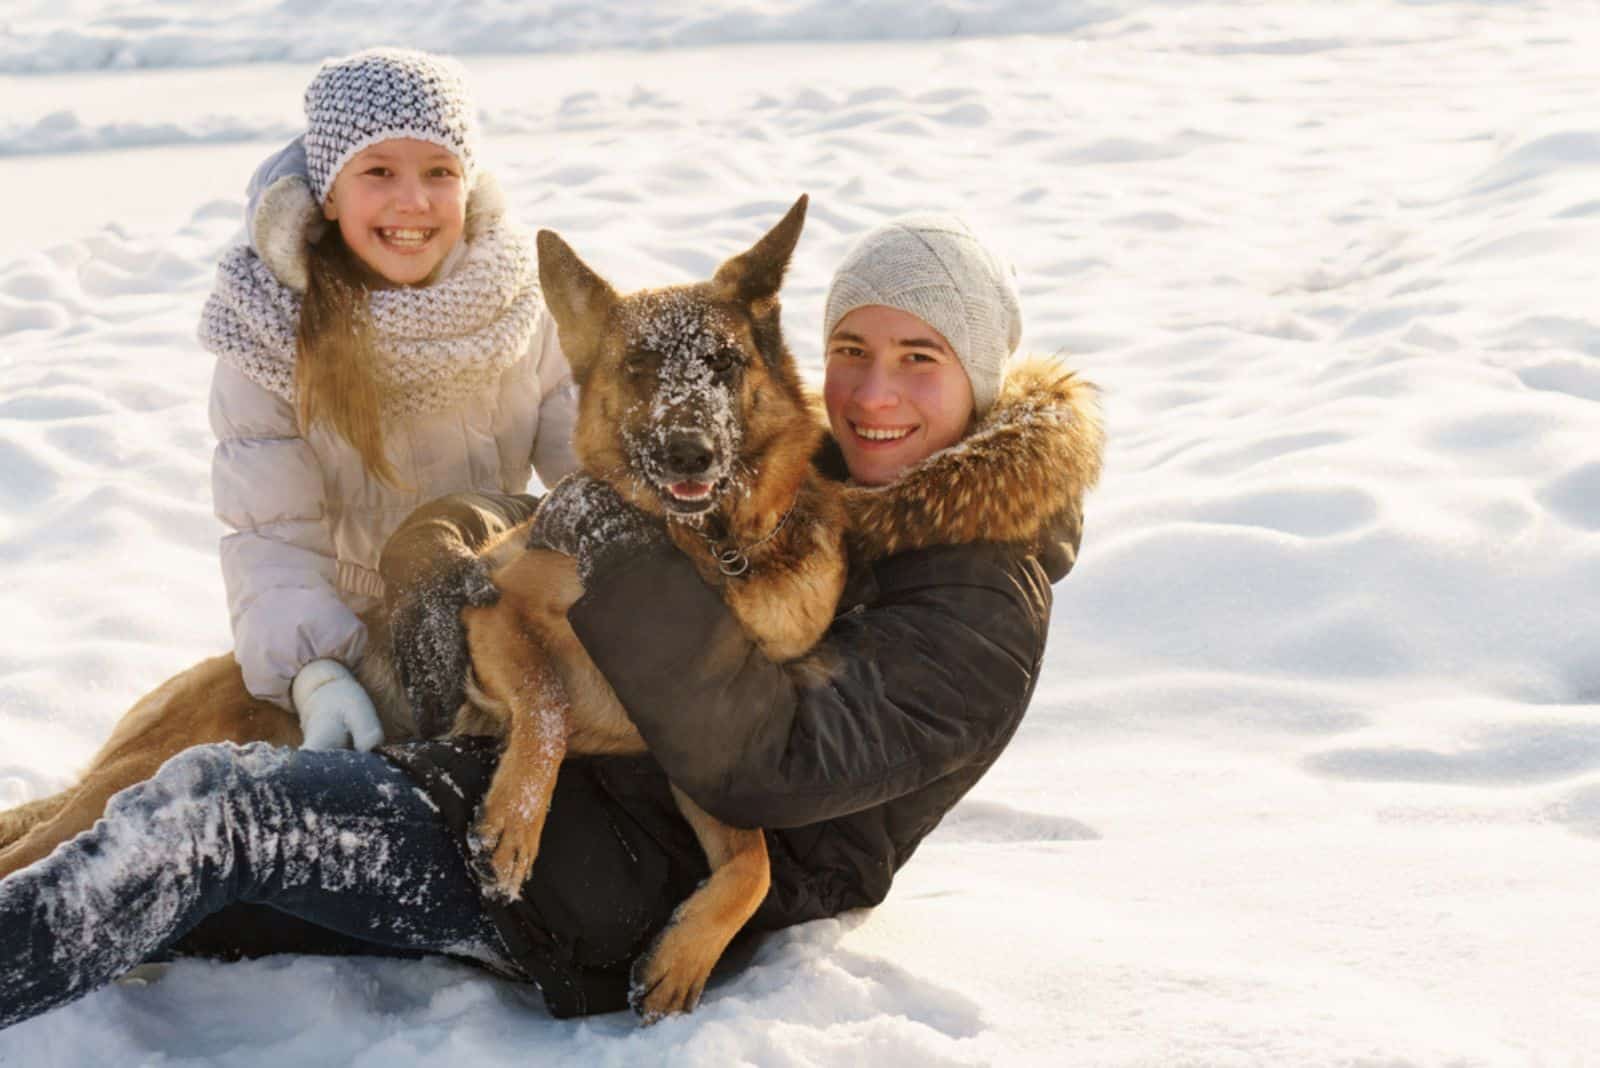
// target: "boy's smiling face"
[[895, 392]]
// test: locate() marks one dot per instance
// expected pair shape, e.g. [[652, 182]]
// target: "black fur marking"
[[767, 333]]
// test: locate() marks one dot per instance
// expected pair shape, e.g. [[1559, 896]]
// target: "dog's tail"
[[16, 822]]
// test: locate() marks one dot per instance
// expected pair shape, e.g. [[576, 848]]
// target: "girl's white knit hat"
[[932, 265], [385, 93]]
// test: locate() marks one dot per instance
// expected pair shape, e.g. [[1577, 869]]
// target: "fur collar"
[[1019, 477]]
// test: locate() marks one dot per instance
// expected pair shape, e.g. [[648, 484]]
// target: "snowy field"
[[1313, 777]]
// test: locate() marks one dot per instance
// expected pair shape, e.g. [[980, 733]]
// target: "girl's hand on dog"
[[587, 519], [335, 712]]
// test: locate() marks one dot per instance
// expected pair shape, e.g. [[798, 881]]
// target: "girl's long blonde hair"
[[336, 354]]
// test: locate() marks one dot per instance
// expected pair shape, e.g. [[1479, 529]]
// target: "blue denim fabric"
[[341, 839]]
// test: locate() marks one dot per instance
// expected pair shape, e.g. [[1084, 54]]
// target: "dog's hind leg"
[[672, 975], [207, 703]]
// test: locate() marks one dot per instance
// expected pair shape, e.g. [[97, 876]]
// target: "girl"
[[848, 759], [381, 342]]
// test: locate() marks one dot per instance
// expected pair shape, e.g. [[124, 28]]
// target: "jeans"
[[341, 839]]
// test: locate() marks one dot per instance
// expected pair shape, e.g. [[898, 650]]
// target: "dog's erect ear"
[[579, 299], [756, 275]]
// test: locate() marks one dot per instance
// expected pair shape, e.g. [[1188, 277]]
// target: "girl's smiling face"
[[401, 205], [895, 392]]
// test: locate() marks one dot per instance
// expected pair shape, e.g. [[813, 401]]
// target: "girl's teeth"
[[405, 237], [882, 435]]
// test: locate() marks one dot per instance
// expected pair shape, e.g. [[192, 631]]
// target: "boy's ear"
[[756, 274], [579, 299]]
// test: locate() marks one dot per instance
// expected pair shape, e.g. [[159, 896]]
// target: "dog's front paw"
[[503, 846], [670, 978]]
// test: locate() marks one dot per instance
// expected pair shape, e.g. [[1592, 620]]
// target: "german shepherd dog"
[[690, 406]]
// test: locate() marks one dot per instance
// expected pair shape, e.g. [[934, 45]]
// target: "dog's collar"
[[734, 560]]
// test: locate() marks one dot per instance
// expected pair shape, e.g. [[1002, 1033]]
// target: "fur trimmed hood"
[[1018, 477]]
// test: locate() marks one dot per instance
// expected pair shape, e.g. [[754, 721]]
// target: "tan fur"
[[16, 822]]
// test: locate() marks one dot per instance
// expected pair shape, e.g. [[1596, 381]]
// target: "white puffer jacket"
[[308, 523]]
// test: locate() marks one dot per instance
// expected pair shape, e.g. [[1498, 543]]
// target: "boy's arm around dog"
[[926, 671]]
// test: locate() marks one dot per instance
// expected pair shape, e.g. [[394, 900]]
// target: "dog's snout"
[[689, 453]]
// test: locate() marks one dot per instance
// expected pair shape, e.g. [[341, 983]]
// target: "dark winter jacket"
[[848, 756]]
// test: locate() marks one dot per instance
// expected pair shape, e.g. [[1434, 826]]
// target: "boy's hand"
[[589, 521]]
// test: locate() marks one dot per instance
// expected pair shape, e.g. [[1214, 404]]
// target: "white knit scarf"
[[437, 344]]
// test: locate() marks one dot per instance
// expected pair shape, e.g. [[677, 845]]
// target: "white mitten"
[[334, 710]]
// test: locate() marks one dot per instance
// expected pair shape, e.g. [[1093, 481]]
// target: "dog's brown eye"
[[722, 362], [638, 363]]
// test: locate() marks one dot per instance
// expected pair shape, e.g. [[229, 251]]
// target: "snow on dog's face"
[[684, 390], [684, 366]]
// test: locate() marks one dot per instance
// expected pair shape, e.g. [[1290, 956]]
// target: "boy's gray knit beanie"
[[933, 266], [383, 93]]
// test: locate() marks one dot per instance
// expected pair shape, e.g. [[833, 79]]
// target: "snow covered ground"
[[1313, 777]]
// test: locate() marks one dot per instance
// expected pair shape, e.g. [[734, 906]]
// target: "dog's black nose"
[[688, 453]]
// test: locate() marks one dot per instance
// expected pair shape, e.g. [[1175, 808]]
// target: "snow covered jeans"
[[341, 839]]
